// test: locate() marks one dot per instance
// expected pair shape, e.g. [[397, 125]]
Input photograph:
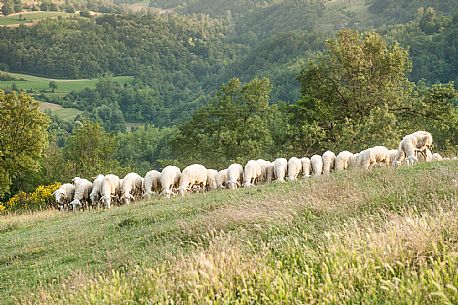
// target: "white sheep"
[[111, 189], [294, 168], [170, 178], [329, 160], [131, 187], [221, 179], [280, 169], [343, 160], [306, 167], [96, 190], [83, 188], [353, 162], [264, 164], [252, 171], [234, 176], [425, 156], [392, 154], [317, 165], [212, 183], [377, 155], [151, 183], [64, 195], [437, 157], [270, 172], [192, 175], [411, 144]]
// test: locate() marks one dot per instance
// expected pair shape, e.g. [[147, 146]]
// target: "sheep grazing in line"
[[234, 176], [353, 162], [151, 183], [377, 155], [252, 171], [193, 175], [436, 157], [111, 189], [329, 160], [294, 168], [317, 165], [211, 184], [221, 179], [131, 187], [425, 156], [280, 169], [343, 160], [96, 191], [64, 195], [306, 167], [270, 172], [83, 188], [412, 143], [170, 178]]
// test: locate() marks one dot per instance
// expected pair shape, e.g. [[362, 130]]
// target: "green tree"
[[7, 8], [23, 138], [17, 6], [53, 86], [232, 127], [90, 150], [352, 93]]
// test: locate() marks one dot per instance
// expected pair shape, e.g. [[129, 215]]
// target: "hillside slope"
[[384, 236]]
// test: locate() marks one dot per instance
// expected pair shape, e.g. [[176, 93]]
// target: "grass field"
[[66, 114], [63, 85], [388, 236], [27, 17]]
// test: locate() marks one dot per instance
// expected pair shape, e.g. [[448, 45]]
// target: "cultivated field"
[[29, 17], [66, 114], [36, 83], [383, 236]]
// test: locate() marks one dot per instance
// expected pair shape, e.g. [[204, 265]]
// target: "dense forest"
[[223, 81]]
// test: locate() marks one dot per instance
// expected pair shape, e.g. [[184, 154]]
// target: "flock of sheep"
[[171, 181]]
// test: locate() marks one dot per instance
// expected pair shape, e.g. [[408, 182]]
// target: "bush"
[[41, 198]]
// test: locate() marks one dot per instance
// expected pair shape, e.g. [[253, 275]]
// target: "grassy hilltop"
[[383, 236]]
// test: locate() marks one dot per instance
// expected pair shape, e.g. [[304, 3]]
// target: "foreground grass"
[[383, 236]]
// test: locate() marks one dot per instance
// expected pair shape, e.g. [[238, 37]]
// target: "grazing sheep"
[[131, 187], [317, 165], [425, 156], [252, 171], [170, 178], [96, 191], [353, 162], [193, 175], [64, 195], [377, 155], [83, 188], [412, 143], [212, 183], [280, 169], [294, 168], [306, 167], [343, 160], [111, 189], [329, 160], [437, 157], [221, 179], [270, 172], [392, 153], [151, 183], [264, 164], [234, 176]]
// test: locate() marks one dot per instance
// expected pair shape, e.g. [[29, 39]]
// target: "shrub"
[[41, 198]]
